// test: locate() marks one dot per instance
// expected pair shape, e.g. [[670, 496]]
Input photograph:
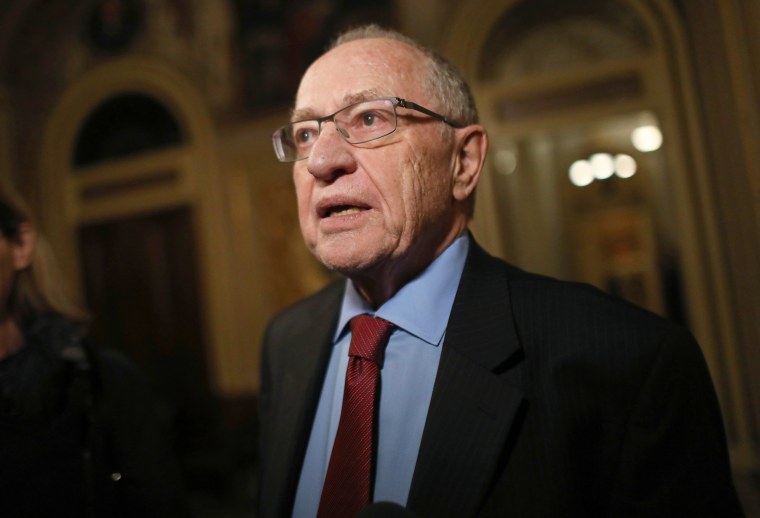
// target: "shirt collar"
[[422, 306]]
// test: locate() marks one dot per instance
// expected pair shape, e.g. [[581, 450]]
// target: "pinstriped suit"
[[552, 399]]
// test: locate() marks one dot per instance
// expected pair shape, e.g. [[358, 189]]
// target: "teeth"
[[346, 211]]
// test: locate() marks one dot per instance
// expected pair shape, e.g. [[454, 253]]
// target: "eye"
[[304, 135], [368, 119], [372, 120]]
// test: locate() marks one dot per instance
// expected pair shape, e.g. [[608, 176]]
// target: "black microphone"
[[385, 510]]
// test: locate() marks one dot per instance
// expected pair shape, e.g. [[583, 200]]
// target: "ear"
[[472, 142], [23, 245]]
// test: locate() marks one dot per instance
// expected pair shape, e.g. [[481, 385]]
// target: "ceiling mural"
[[277, 40]]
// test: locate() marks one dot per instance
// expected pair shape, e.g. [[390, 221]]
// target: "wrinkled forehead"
[[359, 70]]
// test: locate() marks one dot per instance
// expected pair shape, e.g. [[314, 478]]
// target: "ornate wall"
[[226, 72]]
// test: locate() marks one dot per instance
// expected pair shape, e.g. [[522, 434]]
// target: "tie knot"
[[368, 337]]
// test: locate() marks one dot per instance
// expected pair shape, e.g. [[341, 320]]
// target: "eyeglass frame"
[[396, 102]]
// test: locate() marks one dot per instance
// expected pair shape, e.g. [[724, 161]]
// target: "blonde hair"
[[39, 288]]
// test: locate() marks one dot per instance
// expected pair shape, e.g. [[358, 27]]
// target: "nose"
[[331, 156]]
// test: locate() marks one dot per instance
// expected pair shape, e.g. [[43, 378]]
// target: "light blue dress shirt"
[[420, 311]]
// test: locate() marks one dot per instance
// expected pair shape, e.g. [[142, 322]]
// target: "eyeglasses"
[[357, 123]]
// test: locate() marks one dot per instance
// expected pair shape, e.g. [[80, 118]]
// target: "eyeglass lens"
[[356, 123]]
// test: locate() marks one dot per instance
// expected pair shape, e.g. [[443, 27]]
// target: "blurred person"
[[78, 433], [440, 379]]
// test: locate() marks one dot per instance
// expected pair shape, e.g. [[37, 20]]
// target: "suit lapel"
[[476, 395], [309, 351]]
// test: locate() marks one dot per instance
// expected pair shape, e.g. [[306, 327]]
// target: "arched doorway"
[[566, 83], [132, 202]]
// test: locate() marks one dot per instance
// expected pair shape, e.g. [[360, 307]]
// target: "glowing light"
[[581, 173], [602, 165], [625, 165], [646, 138], [506, 161]]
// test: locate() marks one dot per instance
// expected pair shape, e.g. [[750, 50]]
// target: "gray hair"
[[444, 82]]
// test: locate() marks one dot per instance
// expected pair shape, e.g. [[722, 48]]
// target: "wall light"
[[601, 166], [625, 165], [646, 138], [581, 173]]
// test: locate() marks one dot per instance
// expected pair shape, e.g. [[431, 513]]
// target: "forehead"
[[362, 69]]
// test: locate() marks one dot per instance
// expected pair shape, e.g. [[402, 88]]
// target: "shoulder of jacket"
[[328, 298]]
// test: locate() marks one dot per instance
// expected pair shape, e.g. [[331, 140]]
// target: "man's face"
[[383, 208]]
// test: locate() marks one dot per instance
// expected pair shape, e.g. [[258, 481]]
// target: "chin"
[[349, 260], [348, 266]]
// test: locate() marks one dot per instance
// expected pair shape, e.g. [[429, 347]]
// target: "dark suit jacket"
[[551, 399]]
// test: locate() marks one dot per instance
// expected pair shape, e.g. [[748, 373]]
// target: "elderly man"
[[435, 376]]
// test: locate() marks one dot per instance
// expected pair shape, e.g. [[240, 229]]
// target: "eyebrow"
[[308, 113]]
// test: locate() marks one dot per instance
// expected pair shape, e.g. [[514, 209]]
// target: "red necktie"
[[348, 482]]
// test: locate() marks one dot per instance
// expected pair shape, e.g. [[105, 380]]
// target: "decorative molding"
[[669, 89], [193, 180]]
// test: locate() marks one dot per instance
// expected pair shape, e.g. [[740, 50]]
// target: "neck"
[[11, 338], [384, 281]]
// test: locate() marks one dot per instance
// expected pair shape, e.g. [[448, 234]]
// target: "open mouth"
[[340, 210]]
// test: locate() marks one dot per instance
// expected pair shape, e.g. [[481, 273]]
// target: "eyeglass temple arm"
[[414, 106]]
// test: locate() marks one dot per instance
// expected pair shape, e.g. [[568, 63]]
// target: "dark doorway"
[[141, 282]]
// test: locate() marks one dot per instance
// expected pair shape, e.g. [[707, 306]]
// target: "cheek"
[[306, 220], [303, 193], [427, 188], [401, 193]]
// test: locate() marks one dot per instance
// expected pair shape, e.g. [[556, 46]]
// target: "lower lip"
[[341, 222]]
